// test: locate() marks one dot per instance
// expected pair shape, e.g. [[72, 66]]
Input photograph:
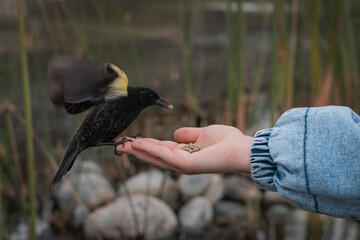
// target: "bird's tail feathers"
[[66, 164]]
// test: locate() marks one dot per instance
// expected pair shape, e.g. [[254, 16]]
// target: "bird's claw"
[[125, 140], [137, 135], [117, 153], [121, 142]]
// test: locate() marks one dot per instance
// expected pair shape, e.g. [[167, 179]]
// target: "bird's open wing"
[[79, 85]]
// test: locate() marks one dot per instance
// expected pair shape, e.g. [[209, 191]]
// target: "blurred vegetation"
[[228, 62]]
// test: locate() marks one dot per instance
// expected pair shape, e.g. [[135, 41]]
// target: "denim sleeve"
[[312, 158]]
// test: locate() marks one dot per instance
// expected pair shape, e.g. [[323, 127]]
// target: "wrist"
[[248, 141], [242, 153]]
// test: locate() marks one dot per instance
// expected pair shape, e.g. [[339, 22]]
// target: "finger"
[[144, 156], [168, 144], [174, 157], [187, 134], [126, 147]]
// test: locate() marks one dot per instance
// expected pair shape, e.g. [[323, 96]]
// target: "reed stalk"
[[314, 226], [231, 69], [315, 65], [292, 55], [283, 51], [323, 98], [16, 159], [42, 98], [274, 68], [345, 78], [59, 30], [241, 98], [100, 7], [258, 72], [186, 54], [47, 24], [6, 186], [350, 51], [29, 125], [78, 28]]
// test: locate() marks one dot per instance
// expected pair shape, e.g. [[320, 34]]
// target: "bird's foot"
[[121, 142]]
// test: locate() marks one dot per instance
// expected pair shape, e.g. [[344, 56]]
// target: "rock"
[[230, 210], [194, 185], [93, 189], [84, 167], [116, 220], [91, 167], [216, 188], [155, 183], [195, 216], [240, 189], [209, 185], [79, 216]]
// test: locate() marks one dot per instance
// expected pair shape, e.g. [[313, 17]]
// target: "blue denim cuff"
[[262, 165]]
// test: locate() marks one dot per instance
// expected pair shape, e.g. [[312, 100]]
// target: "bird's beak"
[[163, 103]]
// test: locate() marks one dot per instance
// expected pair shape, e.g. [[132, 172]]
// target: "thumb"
[[187, 134]]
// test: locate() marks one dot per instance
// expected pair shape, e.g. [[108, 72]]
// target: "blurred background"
[[241, 63]]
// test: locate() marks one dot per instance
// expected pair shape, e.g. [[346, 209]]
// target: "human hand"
[[223, 149]]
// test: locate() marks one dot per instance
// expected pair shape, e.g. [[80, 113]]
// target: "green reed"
[[42, 96], [240, 111], [274, 68], [18, 182], [349, 57], [231, 69], [49, 28], [315, 64], [235, 80], [79, 26], [289, 95], [327, 88], [29, 125], [258, 72], [186, 58]]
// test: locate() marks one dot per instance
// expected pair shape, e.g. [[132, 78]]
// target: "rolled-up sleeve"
[[312, 158]]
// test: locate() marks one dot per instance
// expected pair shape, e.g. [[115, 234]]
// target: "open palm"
[[223, 149]]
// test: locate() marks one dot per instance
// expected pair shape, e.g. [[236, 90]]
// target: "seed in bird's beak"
[[163, 103]]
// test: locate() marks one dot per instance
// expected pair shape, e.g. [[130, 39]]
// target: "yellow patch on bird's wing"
[[118, 87]]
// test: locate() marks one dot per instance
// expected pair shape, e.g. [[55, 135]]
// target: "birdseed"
[[191, 148]]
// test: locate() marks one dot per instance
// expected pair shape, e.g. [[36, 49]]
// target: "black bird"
[[105, 87]]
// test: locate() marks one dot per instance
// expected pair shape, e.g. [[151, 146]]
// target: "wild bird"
[[78, 86]]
